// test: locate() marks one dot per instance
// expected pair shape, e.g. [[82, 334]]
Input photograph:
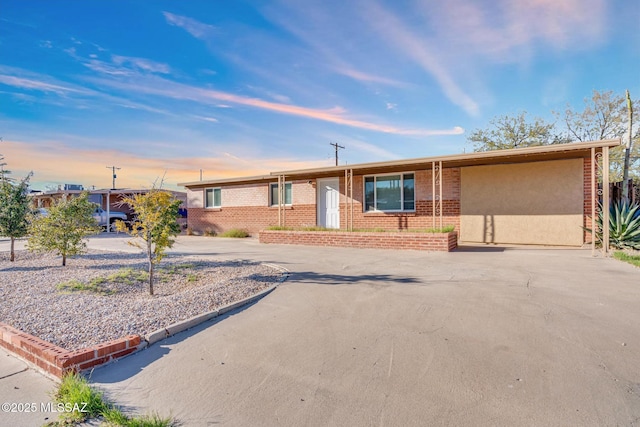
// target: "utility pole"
[[335, 144], [113, 171]]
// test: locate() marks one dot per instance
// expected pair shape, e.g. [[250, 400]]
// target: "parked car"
[[41, 212], [100, 215]]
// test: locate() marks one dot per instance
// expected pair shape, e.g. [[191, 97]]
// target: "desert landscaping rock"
[[77, 319]]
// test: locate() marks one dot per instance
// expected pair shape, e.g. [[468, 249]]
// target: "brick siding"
[[246, 206], [384, 240]]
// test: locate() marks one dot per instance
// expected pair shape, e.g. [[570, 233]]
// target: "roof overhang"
[[239, 180], [571, 150], [517, 155]]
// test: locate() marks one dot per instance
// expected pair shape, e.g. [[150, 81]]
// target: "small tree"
[[64, 228], [14, 210], [156, 214]]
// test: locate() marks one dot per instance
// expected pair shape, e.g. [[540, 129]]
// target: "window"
[[212, 197], [389, 192], [273, 194]]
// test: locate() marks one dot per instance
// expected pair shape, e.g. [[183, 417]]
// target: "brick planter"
[[444, 242], [57, 361]]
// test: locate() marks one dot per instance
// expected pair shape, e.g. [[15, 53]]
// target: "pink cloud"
[[335, 115]]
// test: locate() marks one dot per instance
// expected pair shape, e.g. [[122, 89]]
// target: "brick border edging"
[[55, 361], [442, 242]]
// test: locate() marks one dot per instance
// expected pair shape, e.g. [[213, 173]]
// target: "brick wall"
[[247, 207], [423, 215], [405, 240], [56, 361]]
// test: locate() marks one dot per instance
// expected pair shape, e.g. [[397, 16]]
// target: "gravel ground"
[[73, 319]]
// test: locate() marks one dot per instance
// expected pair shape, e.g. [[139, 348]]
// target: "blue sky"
[[243, 88]]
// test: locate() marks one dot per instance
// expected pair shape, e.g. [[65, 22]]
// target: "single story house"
[[536, 195]]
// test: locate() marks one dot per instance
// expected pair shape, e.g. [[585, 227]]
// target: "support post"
[[351, 199], [594, 200], [348, 203], [433, 194], [436, 191], [108, 219], [279, 206], [346, 199], [605, 201], [440, 192]]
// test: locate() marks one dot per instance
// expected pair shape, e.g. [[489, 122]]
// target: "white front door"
[[329, 202]]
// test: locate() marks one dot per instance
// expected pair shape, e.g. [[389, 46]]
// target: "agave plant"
[[624, 226]]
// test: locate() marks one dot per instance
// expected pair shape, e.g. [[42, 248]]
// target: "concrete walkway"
[[482, 336]]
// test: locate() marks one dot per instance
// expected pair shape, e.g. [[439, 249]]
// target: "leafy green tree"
[[4, 174], [155, 223], [514, 132], [14, 210], [64, 228], [605, 116]]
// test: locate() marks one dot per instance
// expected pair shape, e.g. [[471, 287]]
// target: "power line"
[[113, 171], [336, 146]]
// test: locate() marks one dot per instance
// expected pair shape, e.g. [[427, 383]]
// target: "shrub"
[[279, 228], [210, 232], [235, 233], [75, 394], [74, 391], [445, 229], [624, 226]]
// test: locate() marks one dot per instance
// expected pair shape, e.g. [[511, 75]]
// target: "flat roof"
[[238, 180], [515, 155]]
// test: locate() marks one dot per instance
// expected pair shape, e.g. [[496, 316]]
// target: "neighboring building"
[[44, 199], [536, 195]]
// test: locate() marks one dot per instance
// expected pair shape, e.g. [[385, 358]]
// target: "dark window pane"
[[409, 192], [369, 195], [217, 197]]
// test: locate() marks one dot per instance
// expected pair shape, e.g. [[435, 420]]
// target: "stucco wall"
[[529, 203]]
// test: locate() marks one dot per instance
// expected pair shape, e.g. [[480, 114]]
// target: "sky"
[[166, 89]]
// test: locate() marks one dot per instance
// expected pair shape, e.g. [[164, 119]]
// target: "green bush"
[[624, 226], [445, 229], [75, 392], [235, 233]]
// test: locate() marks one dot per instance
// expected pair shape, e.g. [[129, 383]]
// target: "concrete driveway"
[[482, 336]]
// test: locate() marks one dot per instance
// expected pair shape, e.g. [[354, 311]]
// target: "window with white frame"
[[394, 192], [273, 194], [213, 197]]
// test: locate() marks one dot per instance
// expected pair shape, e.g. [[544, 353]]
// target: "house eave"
[[516, 155]]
